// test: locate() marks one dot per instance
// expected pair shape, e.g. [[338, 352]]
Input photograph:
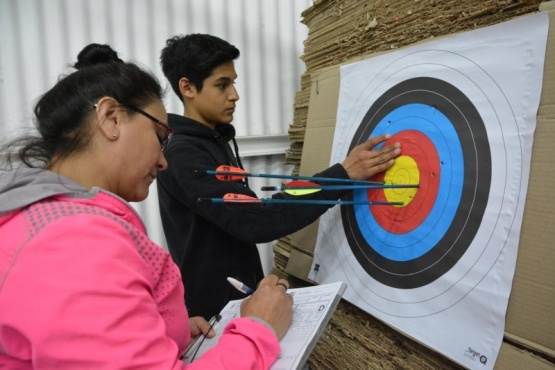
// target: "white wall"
[[39, 39]]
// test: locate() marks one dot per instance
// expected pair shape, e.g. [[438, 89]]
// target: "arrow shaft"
[[308, 178], [339, 187], [301, 201]]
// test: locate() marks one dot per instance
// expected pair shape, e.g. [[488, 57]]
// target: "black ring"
[[472, 132], [283, 285]]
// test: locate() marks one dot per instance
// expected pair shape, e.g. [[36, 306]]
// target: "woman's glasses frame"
[[168, 131]]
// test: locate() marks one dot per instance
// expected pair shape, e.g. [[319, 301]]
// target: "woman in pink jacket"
[[81, 284]]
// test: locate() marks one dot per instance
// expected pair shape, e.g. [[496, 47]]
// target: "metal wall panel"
[[40, 39]]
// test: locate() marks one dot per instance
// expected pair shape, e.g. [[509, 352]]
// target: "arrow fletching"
[[299, 187], [240, 198], [230, 173]]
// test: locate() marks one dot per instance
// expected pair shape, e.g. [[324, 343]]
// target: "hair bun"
[[96, 54]]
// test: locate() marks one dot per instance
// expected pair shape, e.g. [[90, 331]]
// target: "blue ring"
[[437, 127]]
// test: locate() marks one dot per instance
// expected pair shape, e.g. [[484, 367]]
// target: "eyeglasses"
[[168, 131]]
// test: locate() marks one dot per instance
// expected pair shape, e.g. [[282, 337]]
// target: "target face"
[[444, 149], [460, 142]]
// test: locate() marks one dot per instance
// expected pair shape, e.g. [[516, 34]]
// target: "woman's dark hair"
[[61, 113], [195, 57]]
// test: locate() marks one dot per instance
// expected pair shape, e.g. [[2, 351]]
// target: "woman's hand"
[[271, 303], [198, 325]]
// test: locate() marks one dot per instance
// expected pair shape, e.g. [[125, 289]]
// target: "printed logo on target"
[[475, 355]]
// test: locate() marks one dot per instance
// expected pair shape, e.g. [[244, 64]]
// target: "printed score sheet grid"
[[312, 309]]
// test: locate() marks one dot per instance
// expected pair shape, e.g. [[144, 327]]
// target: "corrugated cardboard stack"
[[344, 31]]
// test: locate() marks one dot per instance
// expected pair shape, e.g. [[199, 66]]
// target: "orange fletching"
[[233, 173], [240, 198]]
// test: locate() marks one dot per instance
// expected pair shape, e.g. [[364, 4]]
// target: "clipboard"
[[312, 309]]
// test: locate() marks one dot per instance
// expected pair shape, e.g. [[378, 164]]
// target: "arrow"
[[241, 198], [307, 187], [230, 173]]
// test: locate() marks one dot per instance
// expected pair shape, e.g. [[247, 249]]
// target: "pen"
[[240, 286], [194, 341]]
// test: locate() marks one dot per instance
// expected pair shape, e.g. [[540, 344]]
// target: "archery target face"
[[452, 125], [441, 131]]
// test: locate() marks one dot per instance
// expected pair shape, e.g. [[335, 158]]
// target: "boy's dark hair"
[[195, 57]]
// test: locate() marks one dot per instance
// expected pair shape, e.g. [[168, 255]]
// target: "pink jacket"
[[83, 287]]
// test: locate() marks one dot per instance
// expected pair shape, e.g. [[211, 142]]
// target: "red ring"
[[401, 220]]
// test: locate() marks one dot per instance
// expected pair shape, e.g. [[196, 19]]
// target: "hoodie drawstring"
[[236, 149]]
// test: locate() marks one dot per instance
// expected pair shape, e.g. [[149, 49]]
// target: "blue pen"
[[240, 286]]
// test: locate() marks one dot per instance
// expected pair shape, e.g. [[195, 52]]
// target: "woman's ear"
[[186, 88], [108, 111]]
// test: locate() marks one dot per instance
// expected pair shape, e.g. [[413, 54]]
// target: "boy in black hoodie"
[[210, 242]]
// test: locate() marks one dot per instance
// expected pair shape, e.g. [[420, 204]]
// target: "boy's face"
[[215, 104]]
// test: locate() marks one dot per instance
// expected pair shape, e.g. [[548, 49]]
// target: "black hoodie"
[[210, 241]]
